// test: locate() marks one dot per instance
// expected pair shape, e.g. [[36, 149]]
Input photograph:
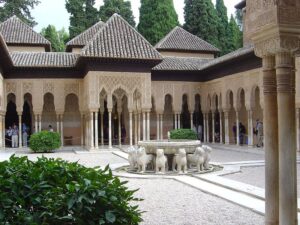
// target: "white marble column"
[[175, 121], [285, 77], [161, 127], [237, 128], [96, 131], [109, 129], [3, 130], [271, 142], [130, 128], [191, 117], [92, 130], [119, 128], [221, 127], [157, 127], [179, 120], [207, 128], [250, 128], [40, 122], [213, 116], [135, 129], [36, 128], [20, 130], [298, 128], [61, 129], [139, 126], [148, 126], [204, 128], [102, 127], [57, 123], [144, 126], [81, 130], [226, 127]]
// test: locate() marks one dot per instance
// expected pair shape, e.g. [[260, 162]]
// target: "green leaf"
[[110, 217]]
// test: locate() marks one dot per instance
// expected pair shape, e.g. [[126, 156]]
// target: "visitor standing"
[[50, 128], [24, 134], [200, 132], [8, 136], [234, 131], [14, 136], [259, 133], [242, 133]]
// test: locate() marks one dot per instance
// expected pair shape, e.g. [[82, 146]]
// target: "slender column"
[[139, 126], [250, 128], [119, 128], [148, 126], [57, 123], [92, 130], [213, 115], [237, 128], [36, 129], [40, 122], [298, 128], [130, 128], [81, 130], [221, 127], [61, 129], [96, 130], [179, 120], [226, 127], [109, 129], [161, 127], [144, 126], [204, 128], [102, 128], [157, 126], [207, 128], [3, 130], [191, 120], [270, 142], [285, 77], [175, 121], [135, 129], [20, 130]]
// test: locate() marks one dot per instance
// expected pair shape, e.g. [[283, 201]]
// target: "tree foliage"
[[235, 35], [223, 26], [121, 7], [58, 38], [157, 18], [183, 134], [45, 141], [83, 15], [19, 8], [201, 19]]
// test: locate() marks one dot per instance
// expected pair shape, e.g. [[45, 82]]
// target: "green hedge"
[[53, 191], [44, 141], [183, 134]]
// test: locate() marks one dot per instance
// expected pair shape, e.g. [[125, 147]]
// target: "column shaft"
[[250, 128], [20, 130], [130, 128], [213, 115], [157, 126], [226, 127], [40, 122], [270, 142], [144, 126], [36, 129], [102, 128], [92, 130], [221, 127], [175, 121], [57, 123], [285, 77], [207, 128], [135, 129], [96, 130], [109, 130], [139, 126], [119, 129], [148, 126], [81, 130], [179, 120], [237, 128], [204, 128], [161, 127], [3, 130], [61, 129], [298, 128], [191, 117]]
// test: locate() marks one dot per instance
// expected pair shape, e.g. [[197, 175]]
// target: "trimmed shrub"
[[53, 191], [44, 141], [183, 134]]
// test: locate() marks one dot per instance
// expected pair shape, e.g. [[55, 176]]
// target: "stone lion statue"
[[197, 159], [161, 161], [143, 159], [207, 150], [132, 157], [180, 161]]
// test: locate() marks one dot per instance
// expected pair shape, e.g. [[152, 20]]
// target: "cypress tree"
[[201, 19], [121, 7], [222, 26], [57, 38], [157, 19], [83, 15], [235, 35]]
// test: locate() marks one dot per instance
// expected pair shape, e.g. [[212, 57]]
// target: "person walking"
[[24, 134], [259, 133], [242, 133], [14, 137]]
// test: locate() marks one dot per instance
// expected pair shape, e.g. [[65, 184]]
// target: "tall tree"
[[235, 40], [121, 7], [239, 18], [83, 15], [19, 8], [222, 26], [201, 20], [157, 18], [57, 38]]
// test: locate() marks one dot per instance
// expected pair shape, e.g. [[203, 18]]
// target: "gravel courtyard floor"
[[169, 202]]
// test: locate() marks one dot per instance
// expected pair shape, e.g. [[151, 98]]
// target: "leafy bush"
[[44, 141], [183, 134], [53, 191]]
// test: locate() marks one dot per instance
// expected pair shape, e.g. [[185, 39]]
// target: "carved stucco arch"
[[228, 105], [172, 101]]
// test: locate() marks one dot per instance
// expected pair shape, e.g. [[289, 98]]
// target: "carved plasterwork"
[[27, 87], [11, 87], [48, 87], [71, 88]]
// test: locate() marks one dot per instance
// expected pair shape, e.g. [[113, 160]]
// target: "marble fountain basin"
[[170, 147]]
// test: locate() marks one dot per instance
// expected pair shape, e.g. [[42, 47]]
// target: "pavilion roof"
[[82, 39], [44, 59], [181, 63], [16, 32], [118, 40], [182, 40]]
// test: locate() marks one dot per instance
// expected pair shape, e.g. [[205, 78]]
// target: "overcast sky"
[[54, 12]]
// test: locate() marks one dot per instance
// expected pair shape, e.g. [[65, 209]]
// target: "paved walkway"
[[224, 197]]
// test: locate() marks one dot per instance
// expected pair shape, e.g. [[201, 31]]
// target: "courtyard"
[[234, 195]]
